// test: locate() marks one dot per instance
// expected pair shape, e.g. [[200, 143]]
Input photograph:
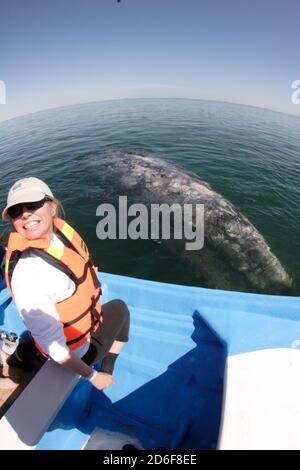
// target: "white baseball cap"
[[26, 190]]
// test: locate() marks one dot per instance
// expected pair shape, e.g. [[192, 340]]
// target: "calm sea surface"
[[251, 156]]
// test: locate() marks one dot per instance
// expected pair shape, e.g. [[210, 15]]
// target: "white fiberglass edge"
[[31, 414], [262, 401]]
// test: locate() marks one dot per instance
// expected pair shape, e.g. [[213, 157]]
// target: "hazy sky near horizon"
[[60, 52]]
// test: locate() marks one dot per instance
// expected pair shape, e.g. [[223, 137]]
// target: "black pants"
[[115, 326]]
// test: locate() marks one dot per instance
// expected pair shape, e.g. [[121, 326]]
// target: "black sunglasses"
[[18, 209]]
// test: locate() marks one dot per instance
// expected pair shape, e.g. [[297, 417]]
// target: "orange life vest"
[[80, 314]]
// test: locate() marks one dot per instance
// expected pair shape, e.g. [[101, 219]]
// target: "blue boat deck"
[[170, 375]]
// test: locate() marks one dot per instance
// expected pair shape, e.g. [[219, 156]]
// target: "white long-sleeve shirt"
[[37, 286]]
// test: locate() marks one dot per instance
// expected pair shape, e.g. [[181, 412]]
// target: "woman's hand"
[[102, 380]]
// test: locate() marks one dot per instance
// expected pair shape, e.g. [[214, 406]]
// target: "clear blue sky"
[[60, 52]]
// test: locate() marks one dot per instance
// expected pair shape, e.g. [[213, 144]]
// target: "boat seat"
[[31, 414], [261, 401]]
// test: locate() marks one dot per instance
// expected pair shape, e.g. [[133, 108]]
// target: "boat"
[[203, 369]]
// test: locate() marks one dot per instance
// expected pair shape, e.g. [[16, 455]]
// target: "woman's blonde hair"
[[59, 209]]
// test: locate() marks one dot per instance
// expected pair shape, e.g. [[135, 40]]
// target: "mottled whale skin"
[[235, 255]]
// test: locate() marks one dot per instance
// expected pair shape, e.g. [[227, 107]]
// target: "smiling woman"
[[31, 207], [54, 283]]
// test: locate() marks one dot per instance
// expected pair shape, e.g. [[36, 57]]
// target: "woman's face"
[[38, 223]]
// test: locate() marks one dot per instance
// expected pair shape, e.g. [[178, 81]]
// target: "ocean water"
[[250, 156]]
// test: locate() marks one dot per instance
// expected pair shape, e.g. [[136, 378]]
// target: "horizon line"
[[148, 98]]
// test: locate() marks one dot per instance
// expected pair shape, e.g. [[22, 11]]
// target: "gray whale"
[[235, 255]]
